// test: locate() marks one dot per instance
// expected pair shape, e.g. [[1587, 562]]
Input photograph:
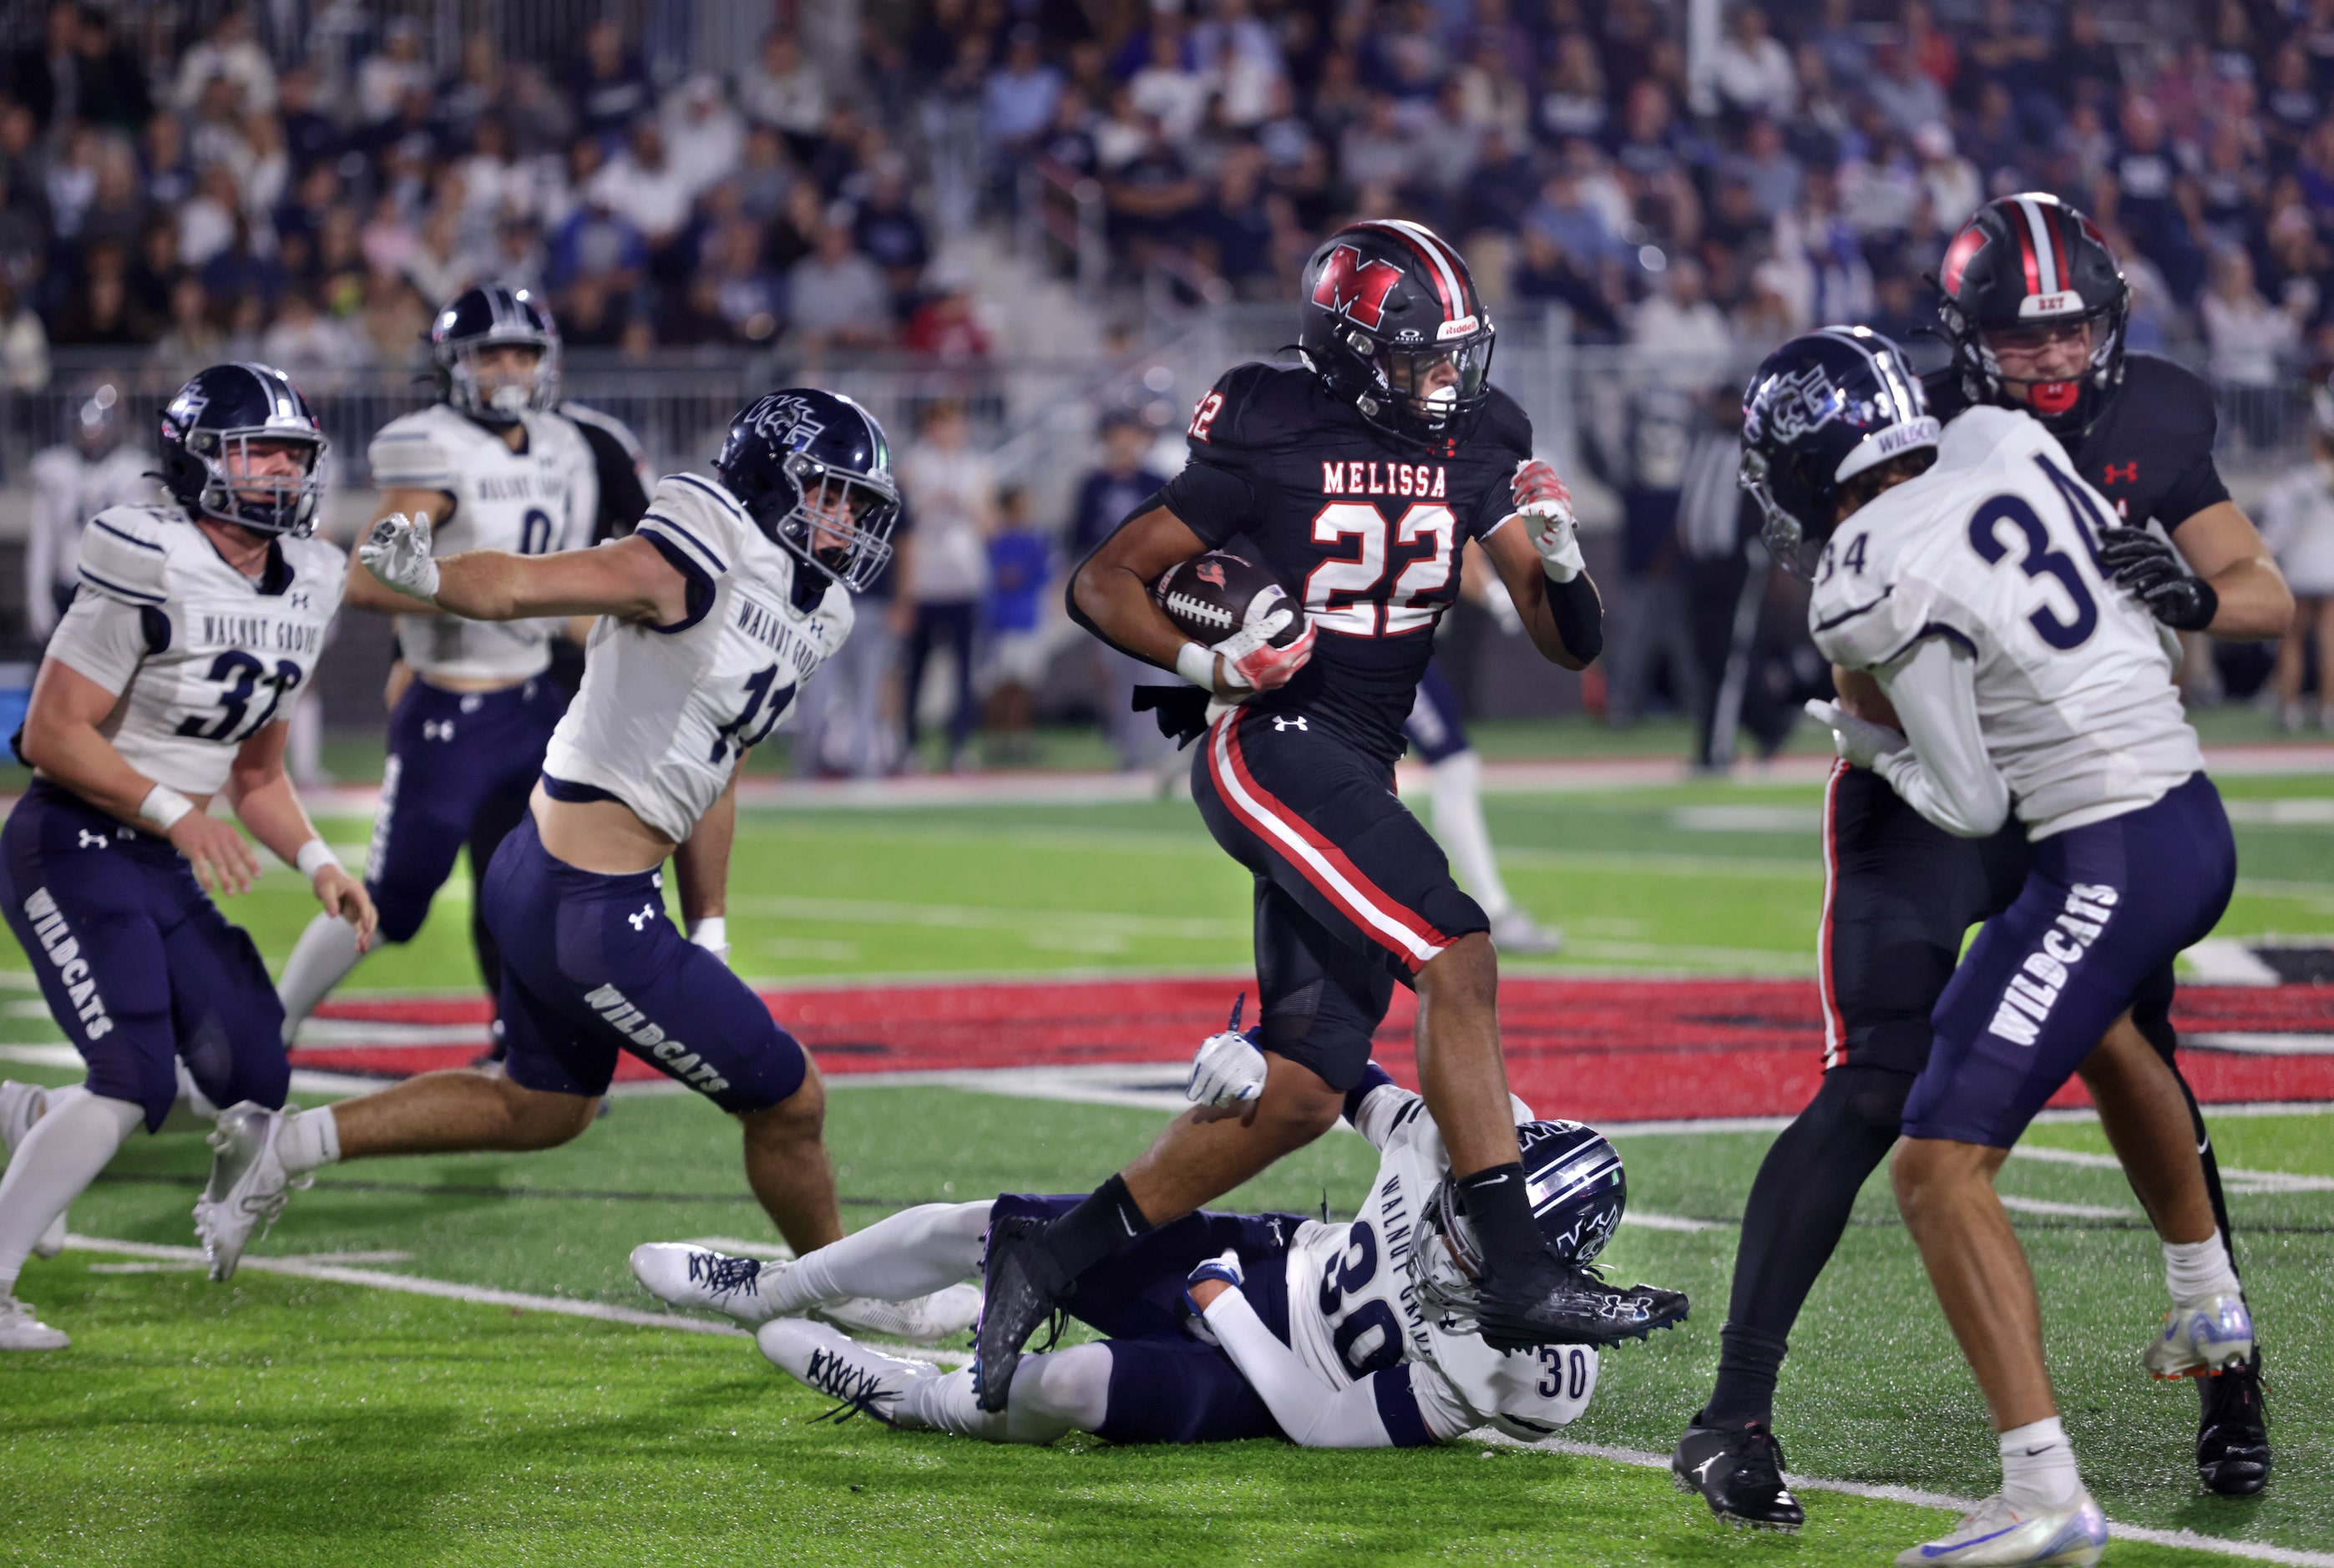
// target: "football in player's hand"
[[1211, 596]]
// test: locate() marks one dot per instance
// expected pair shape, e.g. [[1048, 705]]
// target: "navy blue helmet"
[[1826, 407], [490, 315], [814, 471], [1578, 1190], [1390, 309], [208, 432]]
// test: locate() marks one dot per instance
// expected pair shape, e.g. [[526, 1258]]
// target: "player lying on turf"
[[166, 685], [1963, 572], [1343, 1335], [712, 614], [1358, 477]]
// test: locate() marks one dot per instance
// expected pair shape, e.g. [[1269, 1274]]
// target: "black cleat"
[[1555, 1303], [1739, 1471], [2232, 1440], [1015, 1298]]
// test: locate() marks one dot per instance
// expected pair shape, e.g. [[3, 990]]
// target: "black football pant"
[[1899, 895]]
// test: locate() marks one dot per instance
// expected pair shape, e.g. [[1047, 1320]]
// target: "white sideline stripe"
[[2184, 1540], [2220, 961], [2066, 1210], [306, 1268], [2234, 1175], [2262, 1045]]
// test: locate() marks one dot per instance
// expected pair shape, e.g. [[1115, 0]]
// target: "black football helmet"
[[490, 315], [1577, 1189], [215, 418], [814, 470], [1390, 308], [1823, 408], [2031, 261]]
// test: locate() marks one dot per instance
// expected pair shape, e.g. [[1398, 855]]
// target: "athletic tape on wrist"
[[163, 806], [1196, 664], [313, 857]]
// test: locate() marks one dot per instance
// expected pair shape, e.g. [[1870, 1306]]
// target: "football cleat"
[[925, 1319], [683, 1276], [2000, 1536], [2232, 1440], [1015, 1299], [2203, 1340], [247, 1187], [21, 1330], [862, 1382], [22, 1105], [1739, 1471], [1552, 1302], [1517, 933]]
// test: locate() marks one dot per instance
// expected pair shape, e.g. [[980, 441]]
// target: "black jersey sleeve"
[[617, 460], [1505, 430], [2175, 422], [1212, 499], [1228, 485]]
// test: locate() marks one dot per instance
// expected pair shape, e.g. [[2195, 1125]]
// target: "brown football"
[[1210, 597]]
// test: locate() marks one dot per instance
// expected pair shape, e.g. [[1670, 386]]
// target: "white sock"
[[59, 1156], [192, 1110], [1457, 782], [912, 1253], [2197, 1271], [321, 959], [305, 1140], [2037, 1466], [948, 1404]]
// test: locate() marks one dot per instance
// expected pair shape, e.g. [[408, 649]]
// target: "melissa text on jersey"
[[1383, 478]]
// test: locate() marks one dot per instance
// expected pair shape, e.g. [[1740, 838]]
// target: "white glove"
[[397, 552], [1251, 661], [1227, 1071], [1859, 740], [711, 932], [1542, 501]]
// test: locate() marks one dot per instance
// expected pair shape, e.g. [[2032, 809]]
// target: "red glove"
[[1536, 482]]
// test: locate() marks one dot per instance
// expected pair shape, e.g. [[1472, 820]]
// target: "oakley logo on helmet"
[[1796, 405], [1355, 289]]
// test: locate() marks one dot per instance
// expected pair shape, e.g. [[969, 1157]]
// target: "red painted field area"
[[1601, 1050]]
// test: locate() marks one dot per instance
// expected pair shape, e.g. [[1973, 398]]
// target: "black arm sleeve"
[[621, 498], [1579, 617]]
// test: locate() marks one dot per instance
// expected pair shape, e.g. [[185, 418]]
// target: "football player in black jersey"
[[1358, 478], [2034, 306]]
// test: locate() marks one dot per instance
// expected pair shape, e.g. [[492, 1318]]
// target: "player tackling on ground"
[[1352, 1334], [1358, 478], [1901, 893], [713, 612], [168, 683], [1963, 572]]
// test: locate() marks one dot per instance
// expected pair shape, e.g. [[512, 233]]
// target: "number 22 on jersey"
[[1349, 594]]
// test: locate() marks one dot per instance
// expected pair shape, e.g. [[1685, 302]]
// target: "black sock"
[[1498, 1209], [1799, 1207], [1107, 1220]]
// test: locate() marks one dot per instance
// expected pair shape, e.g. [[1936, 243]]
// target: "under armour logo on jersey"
[[89, 840], [2130, 472], [1288, 721], [437, 729], [299, 600], [640, 921]]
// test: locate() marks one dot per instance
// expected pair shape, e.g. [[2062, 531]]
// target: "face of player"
[[505, 374], [268, 461], [2043, 366]]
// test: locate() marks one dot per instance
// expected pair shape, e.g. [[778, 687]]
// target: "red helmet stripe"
[[1438, 258], [2041, 254]]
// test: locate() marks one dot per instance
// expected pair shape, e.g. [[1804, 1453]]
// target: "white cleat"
[[247, 1187], [2202, 1340], [1998, 1536], [683, 1276], [22, 1105], [21, 1330], [1518, 933], [831, 1362], [924, 1319]]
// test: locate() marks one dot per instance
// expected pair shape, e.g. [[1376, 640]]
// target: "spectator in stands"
[[888, 232], [1108, 496], [609, 85], [1017, 100], [100, 313], [1016, 632], [1680, 336], [230, 51], [641, 186], [1948, 181], [1751, 71], [192, 339], [785, 91], [1234, 229], [110, 83], [945, 322], [311, 138], [473, 92], [834, 297], [704, 137], [316, 350], [2252, 343], [944, 572], [1906, 96], [1167, 88], [2297, 523], [1150, 194], [23, 341]]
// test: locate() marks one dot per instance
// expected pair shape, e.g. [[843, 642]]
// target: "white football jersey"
[[68, 490], [528, 503], [202, 657], [1995, 548], [665, 712], [1352, 1311]]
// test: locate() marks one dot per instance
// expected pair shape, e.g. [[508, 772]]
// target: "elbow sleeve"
[[1579, 617]]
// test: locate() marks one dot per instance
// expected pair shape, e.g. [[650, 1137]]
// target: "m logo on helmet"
[[1355, 289]]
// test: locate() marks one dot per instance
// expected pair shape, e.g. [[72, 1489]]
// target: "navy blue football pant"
[[1352, 892], [1165, 1386], [593, 965], [136, 965], [460, 767], [1435, 728]]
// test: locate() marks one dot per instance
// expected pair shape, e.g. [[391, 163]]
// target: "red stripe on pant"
[[1835, 1025], [1360, 898]]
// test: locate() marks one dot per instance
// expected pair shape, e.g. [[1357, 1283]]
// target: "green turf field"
[[287, 1419]]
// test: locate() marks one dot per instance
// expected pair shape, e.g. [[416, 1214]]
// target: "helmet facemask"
[[1426, 393], [505, 399], [841, 521], [264, 504]]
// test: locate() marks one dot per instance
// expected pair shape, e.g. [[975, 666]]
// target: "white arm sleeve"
[[1312, 1414], [1945, 774]]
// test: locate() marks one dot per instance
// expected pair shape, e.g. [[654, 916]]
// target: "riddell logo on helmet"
[[1355, 289], [2065, 302]]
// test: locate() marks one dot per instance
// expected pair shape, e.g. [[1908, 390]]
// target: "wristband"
[[163, 806], [711, 932], [313, 857], [1197, 665]]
